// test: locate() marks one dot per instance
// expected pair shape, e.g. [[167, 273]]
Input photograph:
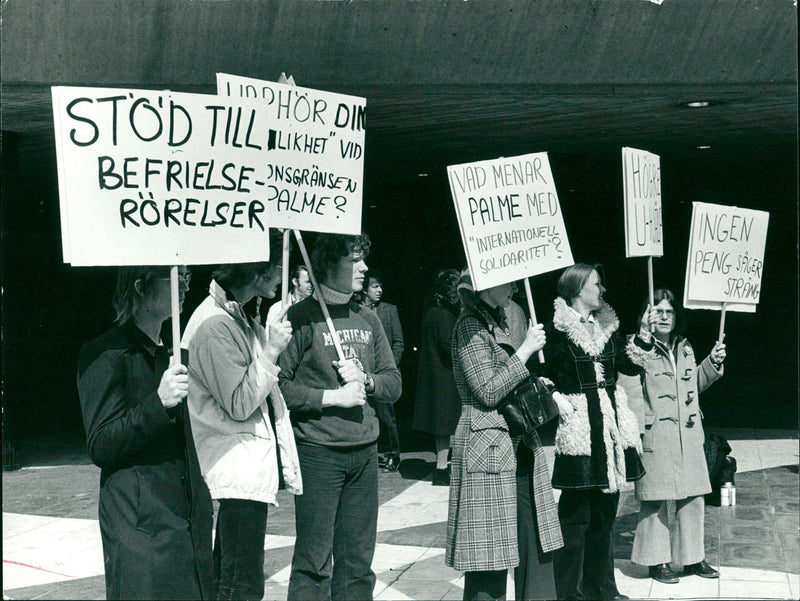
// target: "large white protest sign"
[[725, 261], [510, 218], [164, 178], [335, 123], [641, 176]]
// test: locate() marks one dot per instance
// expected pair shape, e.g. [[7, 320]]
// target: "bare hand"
[[174, 385], [280, 333], [718, 353], [649, 319], [351, 394], [534, 338], [349, 371]]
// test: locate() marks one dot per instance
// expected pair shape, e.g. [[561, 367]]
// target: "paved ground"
[[51, 540]]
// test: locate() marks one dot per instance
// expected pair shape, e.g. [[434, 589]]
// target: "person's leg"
[[688, 532], [388, 422], [239, 549], [356, 528], [323, 472], [573, 513], [533, 577], [442, 449], [598, 567], [485, 586], [651, 545]]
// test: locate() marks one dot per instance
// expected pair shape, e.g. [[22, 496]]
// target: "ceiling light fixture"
[[704, 147], [422, 175], [698, 104]]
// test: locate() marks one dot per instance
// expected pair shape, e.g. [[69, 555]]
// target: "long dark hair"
[[126, 298], [574, 278]]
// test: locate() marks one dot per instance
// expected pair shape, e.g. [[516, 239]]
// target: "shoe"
[[392, 463], [382, 460], [663, 573], [440, 478], [701, 569]]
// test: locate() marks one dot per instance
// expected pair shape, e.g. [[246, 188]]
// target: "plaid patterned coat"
[[482, 518]]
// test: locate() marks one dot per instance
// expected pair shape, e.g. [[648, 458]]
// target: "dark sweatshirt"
[[307, 371]]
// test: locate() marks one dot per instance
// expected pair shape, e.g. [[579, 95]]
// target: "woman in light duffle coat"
[[482, 532], [597, 441], [666, 401]]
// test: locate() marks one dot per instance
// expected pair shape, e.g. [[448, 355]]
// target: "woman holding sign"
[[155, 510], [597, 441], [492, 475], [667, 404]]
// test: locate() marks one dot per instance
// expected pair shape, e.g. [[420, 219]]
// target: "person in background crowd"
[[299, 288], [666, 401], [232, 375], [390, 319], [482, 511], [597, 441], [437, 405], [332, 403], [155, 511]]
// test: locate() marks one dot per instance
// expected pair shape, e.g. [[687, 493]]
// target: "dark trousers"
[[239, 549], [485, 586], [336, 519], [388, 422], [583, 564], [533, 577]]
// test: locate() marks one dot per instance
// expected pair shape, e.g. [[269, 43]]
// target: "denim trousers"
[[336, 520], [388, 422], [239, 549]]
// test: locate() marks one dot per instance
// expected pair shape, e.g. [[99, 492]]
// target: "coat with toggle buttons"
[[665, 400]]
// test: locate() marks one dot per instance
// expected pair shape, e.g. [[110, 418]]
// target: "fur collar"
[[568, 321]]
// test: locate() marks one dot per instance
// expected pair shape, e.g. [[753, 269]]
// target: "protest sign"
[[510, 218], [725, 261], [641, 176], [335, 169], [165, 178]]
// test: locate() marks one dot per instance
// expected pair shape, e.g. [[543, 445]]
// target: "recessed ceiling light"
[[698, 104], [704, 147], [422, 175]]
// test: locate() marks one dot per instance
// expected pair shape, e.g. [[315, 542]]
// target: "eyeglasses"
[[668, 313]]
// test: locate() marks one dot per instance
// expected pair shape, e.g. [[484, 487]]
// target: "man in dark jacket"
[[332, 394], [390, 319]]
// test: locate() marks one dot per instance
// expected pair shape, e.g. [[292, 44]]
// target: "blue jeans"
[[336, 519], [239, 549]]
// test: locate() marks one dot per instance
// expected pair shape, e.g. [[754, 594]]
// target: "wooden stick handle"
[[527, 284], [721, 336], [176, 313], [318, 293], [650, 283], [287, 237]]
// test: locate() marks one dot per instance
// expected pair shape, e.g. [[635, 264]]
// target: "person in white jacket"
[[232, 374]]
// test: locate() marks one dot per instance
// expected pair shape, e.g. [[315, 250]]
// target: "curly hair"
[[329, 249]]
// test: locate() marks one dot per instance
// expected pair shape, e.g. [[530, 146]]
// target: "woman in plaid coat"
[[482, 514]]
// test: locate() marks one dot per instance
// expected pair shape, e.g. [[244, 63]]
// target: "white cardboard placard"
[[641, 176], [510, 218], [725, 260]]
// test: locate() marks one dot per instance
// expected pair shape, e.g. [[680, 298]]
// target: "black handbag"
[[528, 406]]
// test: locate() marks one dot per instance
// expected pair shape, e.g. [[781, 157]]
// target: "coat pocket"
[[490, 451], [647, 441]]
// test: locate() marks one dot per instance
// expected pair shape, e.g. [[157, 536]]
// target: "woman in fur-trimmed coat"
[[597, 441]]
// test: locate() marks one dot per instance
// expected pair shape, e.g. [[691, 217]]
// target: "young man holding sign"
[[332, 400]]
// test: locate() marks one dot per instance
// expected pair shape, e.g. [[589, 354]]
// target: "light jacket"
[[665, 400], [230, 380]]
